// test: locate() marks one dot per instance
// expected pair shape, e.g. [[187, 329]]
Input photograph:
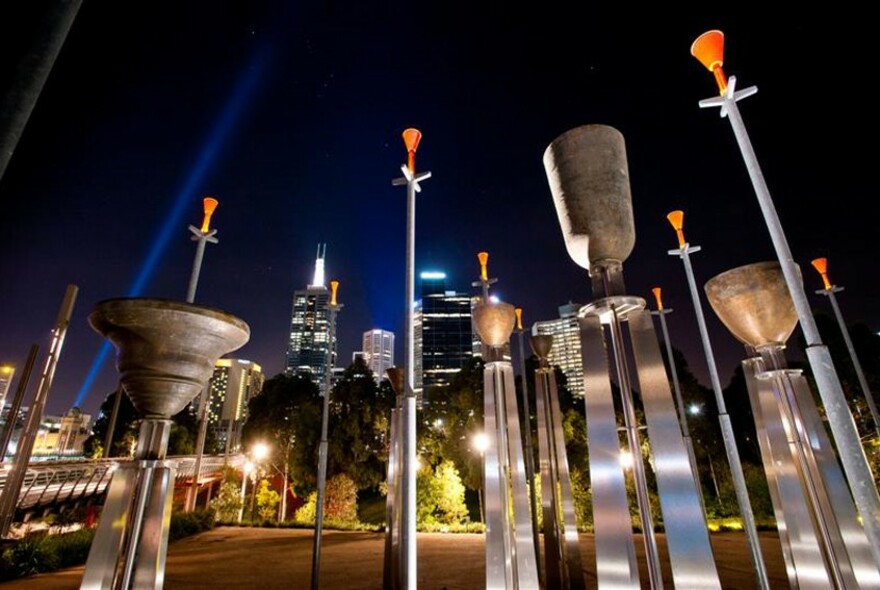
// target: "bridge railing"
[[48, 482]]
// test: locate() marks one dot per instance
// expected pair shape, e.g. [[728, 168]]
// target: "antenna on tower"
[[318, 279]]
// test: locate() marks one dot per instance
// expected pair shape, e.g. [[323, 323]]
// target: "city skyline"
[[291, 117]]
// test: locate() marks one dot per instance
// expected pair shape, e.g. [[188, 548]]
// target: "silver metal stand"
[[131, 542], [201, 236], [869, 397], [15, 407], [733, 459], [679, 401], [408, 566], [12, 488], [562, 559], [527, 435], [823, 543], [323, 444], [843, 428]]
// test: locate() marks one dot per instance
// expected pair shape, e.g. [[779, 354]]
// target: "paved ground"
[[266, 559]]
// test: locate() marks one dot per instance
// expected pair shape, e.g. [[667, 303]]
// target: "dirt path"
[[269, 559]]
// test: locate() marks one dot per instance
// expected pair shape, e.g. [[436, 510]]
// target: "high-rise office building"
[[310, 334], [566, 351], [7, 372], [444, 336], [378, 348], [233, 384]]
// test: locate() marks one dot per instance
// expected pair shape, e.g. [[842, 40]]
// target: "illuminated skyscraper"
[[444, 336], [233, 384], [378, 348], [310, 328], [7, 372], [566, 351]]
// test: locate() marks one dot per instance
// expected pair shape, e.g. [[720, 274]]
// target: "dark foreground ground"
[[266, 559]]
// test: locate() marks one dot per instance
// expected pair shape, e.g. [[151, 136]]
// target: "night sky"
[[291, 115]]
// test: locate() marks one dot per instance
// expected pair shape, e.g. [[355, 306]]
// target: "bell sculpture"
[[588, 176], [823, 544], [166, 352]]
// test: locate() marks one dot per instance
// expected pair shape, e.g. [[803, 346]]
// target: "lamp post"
[[821, 265], [322, 445], [200, 235], [408, 566], [245, 471], [709, 50], [684, 250]]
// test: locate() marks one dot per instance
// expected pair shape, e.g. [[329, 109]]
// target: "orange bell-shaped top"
[[412, 137], [209, 204], [518, 312], [821, 264], [483, 257], [708, 48], [676, 218], [334, 286], [656, 292]]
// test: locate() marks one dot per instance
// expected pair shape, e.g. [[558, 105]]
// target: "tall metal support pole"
[[676, 218], [31, 75], [709, 49], [16, 400], [821, 264], [201, 236], [111, 426], [527, 435], [9, 498], [322, 445], [679, 401], [408, 571]]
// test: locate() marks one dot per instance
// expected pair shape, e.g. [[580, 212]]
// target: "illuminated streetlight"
[[481, 442], [626, 459], [694, 410], [260, 451]]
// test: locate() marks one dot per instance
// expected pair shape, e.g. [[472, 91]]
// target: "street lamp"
[[260, 451], [708, 48], [245, 471]]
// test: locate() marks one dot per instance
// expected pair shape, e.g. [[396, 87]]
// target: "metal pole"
[[31, 75], [408, 571], [111, 426], [527, 434], [9, 498], [322, 452], [204, 403], [869, 397], [733, 459], [629, 415], [843, 427], [197, 268], [12, 418], [682, 416]]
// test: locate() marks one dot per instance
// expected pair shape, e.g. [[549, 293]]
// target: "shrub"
[[340, 504], [31, 555], [71, 548], [185, 524]]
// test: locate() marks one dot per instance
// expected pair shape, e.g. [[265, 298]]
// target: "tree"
[[267, 501], [286, 415], [181, 440], [359, 422], [227, 503]]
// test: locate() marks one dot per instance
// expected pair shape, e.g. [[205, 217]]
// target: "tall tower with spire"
[[310, 335]]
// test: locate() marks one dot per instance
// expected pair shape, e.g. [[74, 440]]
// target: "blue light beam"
[[206, 159]]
